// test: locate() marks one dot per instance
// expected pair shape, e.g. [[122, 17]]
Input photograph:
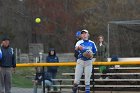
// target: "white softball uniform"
[[84, 64]]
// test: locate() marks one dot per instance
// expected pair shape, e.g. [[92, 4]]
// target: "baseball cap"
[[84, 30], [5, 38], [51, 49], [78, 33]]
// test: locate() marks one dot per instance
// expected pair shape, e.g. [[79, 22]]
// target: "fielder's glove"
[[88, 54]]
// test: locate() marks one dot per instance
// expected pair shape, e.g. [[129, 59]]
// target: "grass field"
[[24, 76]]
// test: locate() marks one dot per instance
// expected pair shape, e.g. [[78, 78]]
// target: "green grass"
[[24, 76]]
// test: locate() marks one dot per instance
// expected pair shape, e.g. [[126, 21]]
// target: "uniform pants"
[[83, 66], [5, 80]]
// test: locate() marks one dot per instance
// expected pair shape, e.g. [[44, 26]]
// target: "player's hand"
[[80, 47]]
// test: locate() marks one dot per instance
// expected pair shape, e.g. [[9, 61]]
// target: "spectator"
[[101, 55], [39, 79], [78, 37], [7, 63], [115, 58], [53, 69]]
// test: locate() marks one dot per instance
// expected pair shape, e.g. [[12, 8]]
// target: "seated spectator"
[[39, 79], [114, 58]]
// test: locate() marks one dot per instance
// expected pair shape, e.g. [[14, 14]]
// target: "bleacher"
[[120, 79]]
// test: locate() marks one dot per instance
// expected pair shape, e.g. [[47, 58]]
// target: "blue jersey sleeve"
[[94, 48], [87, 45]]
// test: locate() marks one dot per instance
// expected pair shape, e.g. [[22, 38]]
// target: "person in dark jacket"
[[7, 63], [51, 58], [78, 37], [38, 80]]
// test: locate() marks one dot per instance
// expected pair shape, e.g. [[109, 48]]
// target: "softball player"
[[84, 62]]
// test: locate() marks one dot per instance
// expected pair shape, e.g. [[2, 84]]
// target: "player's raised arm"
[[94, 49], [78, 46]]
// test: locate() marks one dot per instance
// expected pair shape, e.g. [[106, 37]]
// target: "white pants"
[[83, 66]]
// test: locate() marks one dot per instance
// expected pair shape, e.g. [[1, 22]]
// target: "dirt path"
[[23, 90], [30, 90]]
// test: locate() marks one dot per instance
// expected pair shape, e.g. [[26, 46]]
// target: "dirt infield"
[[30, 90], [23, 90]]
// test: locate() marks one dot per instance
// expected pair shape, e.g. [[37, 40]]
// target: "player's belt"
[[84, 59]]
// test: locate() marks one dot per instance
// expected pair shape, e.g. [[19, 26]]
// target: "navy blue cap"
[[5, 38], [78, 33], [51, 49]]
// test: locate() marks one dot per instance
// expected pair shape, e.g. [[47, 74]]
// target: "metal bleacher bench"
[[126, 78]]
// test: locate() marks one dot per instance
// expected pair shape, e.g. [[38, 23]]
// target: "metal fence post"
[[43, 80], [43, 72], [93, 82]]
